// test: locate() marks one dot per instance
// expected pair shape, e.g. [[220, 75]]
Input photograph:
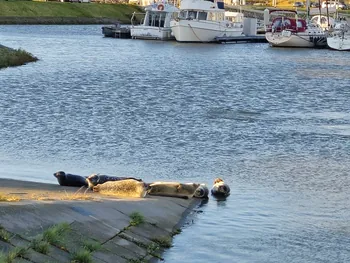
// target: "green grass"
[[82, 256], [91, 245], [11, 58], [17, 252], [136, 219], [40, 246], [53, 235], [56, 9], [164, 242]]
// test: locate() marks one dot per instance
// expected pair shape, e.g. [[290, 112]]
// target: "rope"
[[195, 34]]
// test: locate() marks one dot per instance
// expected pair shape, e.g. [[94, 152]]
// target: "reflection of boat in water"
[[294, 32], [116, 31], [203, 21], [339, 39], [156, 22]]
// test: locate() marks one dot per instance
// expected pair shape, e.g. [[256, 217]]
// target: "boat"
[[116, 31], [156, 22], [286, 31], [339, 39], [203, 21]]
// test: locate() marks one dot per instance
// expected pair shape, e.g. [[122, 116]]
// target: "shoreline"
[[15, 20], [105, 220]]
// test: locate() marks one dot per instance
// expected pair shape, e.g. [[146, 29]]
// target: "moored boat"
[[294, 32], [339, 39], [156, 22], [203, 21]]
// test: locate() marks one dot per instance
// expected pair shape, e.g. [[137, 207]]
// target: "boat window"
[[192, 15], [277, 23], [202, 15], [161, 19], [287, 23], [182, 14]]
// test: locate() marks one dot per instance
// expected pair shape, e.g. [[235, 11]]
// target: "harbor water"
[[274, 123]]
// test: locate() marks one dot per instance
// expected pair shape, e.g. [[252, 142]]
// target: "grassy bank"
[[25, 9], [12, 57]]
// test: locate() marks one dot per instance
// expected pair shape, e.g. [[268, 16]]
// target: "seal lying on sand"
[[172, 189], [202, 191], [96, 179], [123, 188], [70, 179], [220, 188]]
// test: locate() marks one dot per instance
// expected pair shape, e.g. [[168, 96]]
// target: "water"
[[273, 123]]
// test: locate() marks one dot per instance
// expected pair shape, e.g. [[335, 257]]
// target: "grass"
[[40, 246], [91, 245], [10, 58], [164, 242], [3, 197], [53, 235], [136, 219], [4, 235], [82, 256], [121, 12], [17, 252]]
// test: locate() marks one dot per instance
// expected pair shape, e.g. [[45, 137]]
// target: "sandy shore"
[[90, 217]]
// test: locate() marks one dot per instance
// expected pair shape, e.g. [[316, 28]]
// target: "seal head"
[[65, 179], [202, 191], [220, 188]]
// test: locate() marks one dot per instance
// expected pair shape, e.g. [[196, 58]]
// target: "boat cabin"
[[285, 23], [201, 15]]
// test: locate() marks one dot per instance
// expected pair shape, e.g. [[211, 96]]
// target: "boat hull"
[[203, 31], [302, 40], [148, 32], [339, 42]]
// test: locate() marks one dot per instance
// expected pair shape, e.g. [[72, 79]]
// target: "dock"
[[116, 31], [242, 39]]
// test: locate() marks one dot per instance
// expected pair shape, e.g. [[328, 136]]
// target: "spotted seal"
[[122, 188], [96, 179], [202, 191], [65, 179], [220, 188], [172, 189]]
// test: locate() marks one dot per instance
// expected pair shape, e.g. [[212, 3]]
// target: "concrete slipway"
[[79, 219]]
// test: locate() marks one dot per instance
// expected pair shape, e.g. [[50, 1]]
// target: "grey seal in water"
[[220, 188]]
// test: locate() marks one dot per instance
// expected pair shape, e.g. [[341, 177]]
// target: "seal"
[[202, 191], [96, 179], [172, 189], [122, 188], [220, 188], [65, 179]]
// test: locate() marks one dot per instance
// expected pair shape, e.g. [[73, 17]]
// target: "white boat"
[[203, 21], [339, 39], [294, 32], [156, 22]]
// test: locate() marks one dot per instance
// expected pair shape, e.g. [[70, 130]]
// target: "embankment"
[[51, 223], [14, 57], [29, 12]]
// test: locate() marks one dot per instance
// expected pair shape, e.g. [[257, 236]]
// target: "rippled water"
[[274, 123]]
